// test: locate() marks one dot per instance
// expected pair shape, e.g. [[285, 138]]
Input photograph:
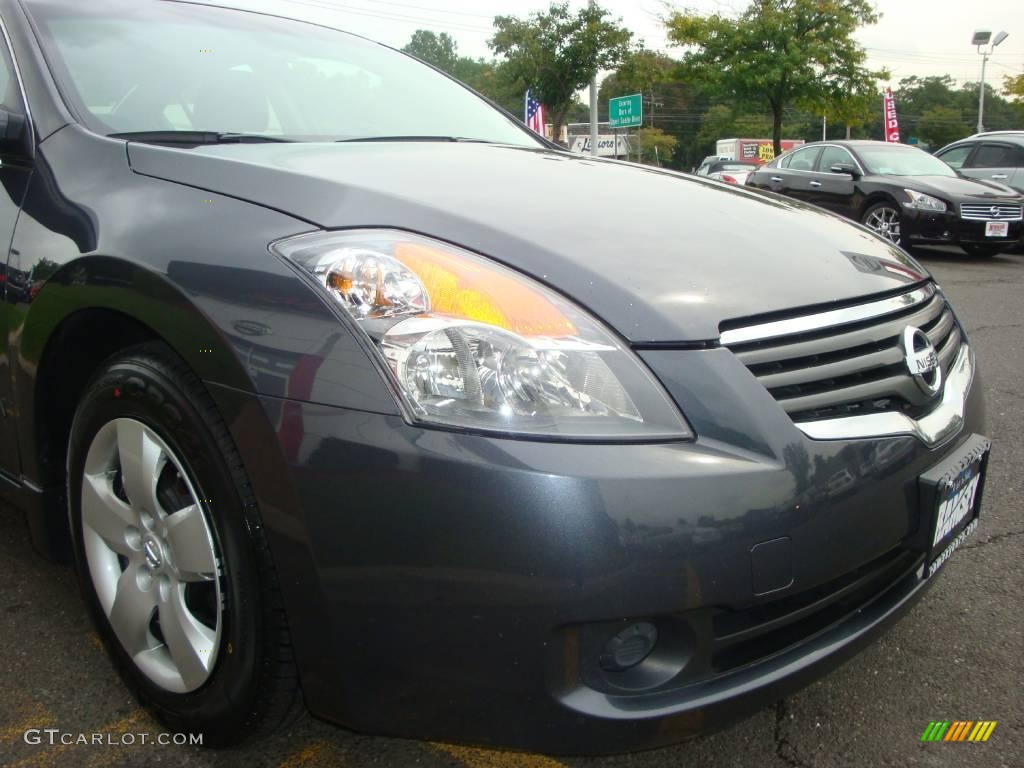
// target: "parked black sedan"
[[902, 193], [334, 401]]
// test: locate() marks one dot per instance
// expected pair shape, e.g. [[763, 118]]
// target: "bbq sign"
[[892, 125]]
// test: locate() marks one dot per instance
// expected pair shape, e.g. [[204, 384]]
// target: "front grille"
[[849, 368], [998, 212]]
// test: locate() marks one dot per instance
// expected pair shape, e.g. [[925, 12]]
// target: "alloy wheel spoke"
[[189, 642], [190, 544], [141, 461], [132, 610], [105, 514]]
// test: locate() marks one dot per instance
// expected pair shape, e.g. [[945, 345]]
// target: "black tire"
[[253, 685], [983, 251], [884, 209]]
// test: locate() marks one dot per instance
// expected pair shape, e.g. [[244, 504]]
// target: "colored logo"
[[958, 730]]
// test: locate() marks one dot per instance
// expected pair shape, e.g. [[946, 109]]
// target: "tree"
[[1014, 86], [938, 126], [853, 110], [441, 50], [655, 146], [916, 96], [724, 122], [779, 52], [557, 52]]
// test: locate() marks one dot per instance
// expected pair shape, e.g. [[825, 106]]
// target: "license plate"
[[997, 228], [951, 495]]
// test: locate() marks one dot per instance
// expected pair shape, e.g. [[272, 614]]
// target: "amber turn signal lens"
[[461, 288]]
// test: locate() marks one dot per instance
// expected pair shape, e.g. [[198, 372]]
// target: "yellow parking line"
[[48, 756], [36, 716], [316, 753], [474, 757]]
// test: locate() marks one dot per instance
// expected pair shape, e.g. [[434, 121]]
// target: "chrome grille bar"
[[829, 319], [842, 366], [990, 212]]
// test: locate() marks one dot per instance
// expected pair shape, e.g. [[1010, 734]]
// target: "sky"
[[913, 37]]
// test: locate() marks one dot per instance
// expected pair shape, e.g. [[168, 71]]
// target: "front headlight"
[[924, 202], [473, 344]]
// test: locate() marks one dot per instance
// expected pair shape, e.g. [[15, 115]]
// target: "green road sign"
[[626, 112]]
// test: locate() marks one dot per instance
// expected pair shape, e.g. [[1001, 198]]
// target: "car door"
[[834, 191], [789, 175], [15, 168], [800, 173], [997, 161]]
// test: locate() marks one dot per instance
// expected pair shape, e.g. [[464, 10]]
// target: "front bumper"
[[459, 587], [927, 228]]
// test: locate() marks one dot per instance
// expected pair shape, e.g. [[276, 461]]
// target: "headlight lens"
[[924, 202], [473, 344]]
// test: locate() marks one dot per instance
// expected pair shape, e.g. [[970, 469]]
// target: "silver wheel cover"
[[155, 569]]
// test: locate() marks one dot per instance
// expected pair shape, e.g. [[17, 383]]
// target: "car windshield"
[[131, 66], [897, 160], [737, 166]]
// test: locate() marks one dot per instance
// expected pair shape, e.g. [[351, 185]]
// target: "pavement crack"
[[995, 539], [784, 750], [993, 327]]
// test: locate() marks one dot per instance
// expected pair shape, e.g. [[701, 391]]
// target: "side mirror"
[[849, 168], [12, 130]]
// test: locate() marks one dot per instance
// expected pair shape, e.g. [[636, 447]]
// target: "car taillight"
[[729, 179]]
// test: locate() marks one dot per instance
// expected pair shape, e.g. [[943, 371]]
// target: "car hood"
[[958, 189], [659, 256]]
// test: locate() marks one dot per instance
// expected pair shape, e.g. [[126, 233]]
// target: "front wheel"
[[884, 220], [170, 553], [983, 251]]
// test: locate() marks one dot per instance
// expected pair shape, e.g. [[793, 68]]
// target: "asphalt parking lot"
[[959, 655]]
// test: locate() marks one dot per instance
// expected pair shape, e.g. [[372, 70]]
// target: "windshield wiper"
[[195, 138], [454, 139]]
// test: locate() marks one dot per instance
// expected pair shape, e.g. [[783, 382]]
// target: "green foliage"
[[724, 122], [1014, 86], [853, 110], [940, 125], [779, 53], [557, 52], [919, 97], [441, 50], [654, 145]]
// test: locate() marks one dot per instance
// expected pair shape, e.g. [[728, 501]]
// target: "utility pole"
[[593, 109], [824, 127]]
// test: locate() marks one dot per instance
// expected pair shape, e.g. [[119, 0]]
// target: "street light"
[[980, 40]]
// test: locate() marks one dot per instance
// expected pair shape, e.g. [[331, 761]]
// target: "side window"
[[802, 159], [10, 93], [957, 156], [832, 155], [994, 156]]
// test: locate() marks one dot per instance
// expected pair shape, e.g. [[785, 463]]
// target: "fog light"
[[629, 647]]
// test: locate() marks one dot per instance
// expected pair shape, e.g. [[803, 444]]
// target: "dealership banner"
[[892, 124]]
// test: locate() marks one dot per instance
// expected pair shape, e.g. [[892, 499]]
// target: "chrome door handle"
[[998, 175], [777, 178], [815, 183]]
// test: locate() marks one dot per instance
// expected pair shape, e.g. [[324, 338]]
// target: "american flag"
[[534, 114]]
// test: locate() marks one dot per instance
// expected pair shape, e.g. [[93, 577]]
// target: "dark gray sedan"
[[338, 396]]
